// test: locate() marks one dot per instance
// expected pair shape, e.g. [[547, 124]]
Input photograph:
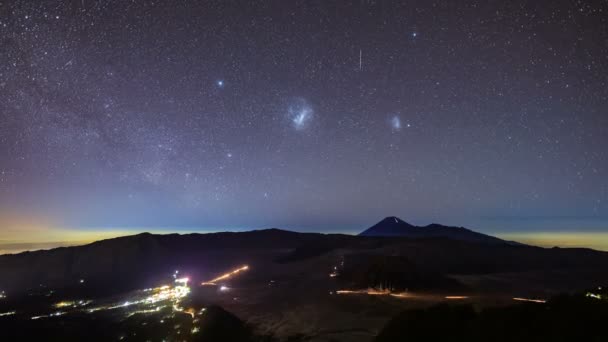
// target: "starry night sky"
[[305, 115]]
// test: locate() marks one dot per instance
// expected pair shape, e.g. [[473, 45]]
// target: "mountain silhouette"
[[427, 253], [396, 227]]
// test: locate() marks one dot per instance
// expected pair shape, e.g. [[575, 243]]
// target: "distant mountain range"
[[395, 227], [387, 251]]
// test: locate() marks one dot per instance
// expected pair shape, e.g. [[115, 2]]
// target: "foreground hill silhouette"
[[395, 227], [215, 325], [564, 318]]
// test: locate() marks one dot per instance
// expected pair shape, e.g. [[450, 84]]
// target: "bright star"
[[220, 83]]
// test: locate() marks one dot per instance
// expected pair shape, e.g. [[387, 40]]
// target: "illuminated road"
[[402, 295], [372, 292], [529, 300], [225, 276]]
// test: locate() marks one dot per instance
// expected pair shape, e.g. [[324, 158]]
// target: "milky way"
[[314, 116]]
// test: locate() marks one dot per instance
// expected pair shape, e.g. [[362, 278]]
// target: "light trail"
[[225, 276], [456, 297], [378, 293], [372, 292], [351, 292], [54, 314], [529, 300], [157, 309], [401, 295], [8, 313]]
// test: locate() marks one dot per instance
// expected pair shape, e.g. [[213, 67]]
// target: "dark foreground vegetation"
[[215, 325], [564, 318]]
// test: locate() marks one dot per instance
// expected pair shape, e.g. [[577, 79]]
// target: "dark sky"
[[309, 115]]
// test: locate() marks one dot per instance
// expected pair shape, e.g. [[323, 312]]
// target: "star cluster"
[[305, 115]]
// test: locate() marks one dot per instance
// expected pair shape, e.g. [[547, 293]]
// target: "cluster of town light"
[[154, 300], [158, 294]]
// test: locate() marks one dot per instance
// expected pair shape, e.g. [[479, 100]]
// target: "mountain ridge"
[[140, 260], [393, 226]]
